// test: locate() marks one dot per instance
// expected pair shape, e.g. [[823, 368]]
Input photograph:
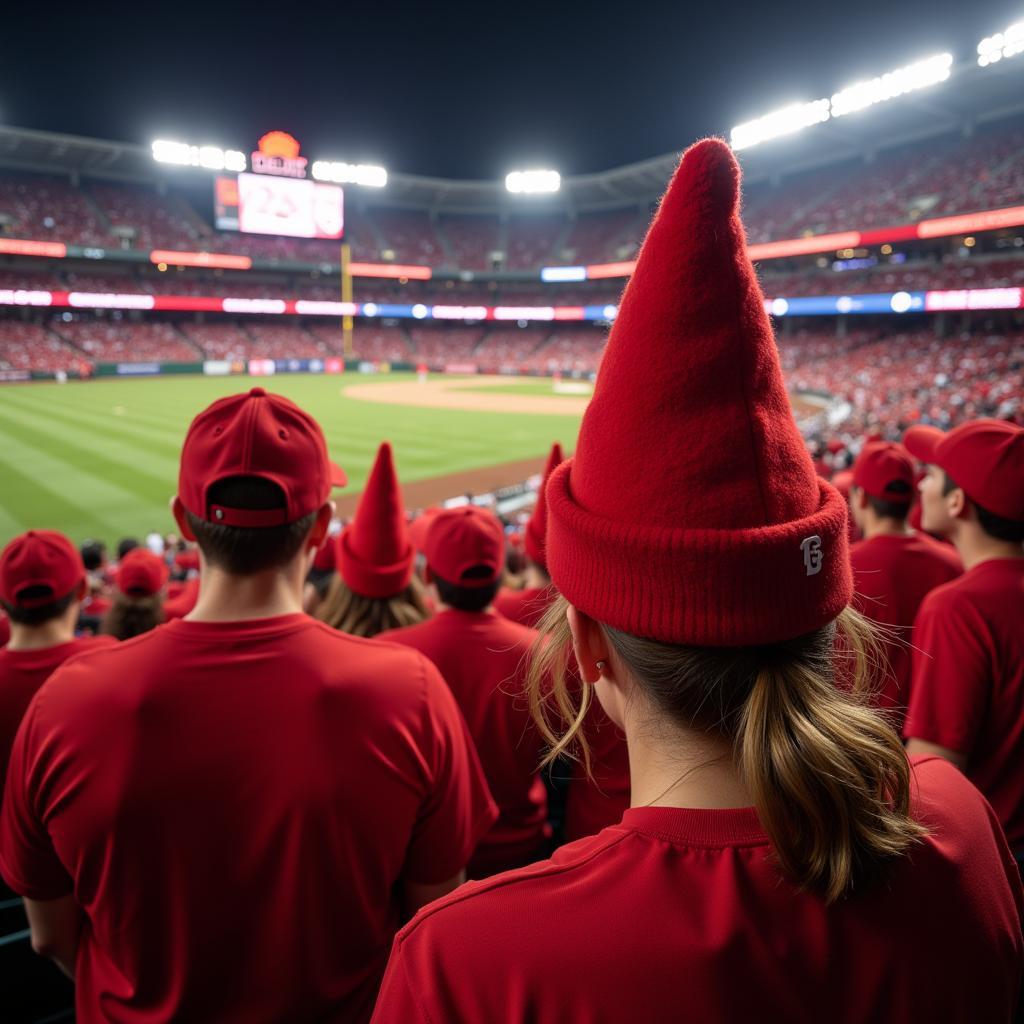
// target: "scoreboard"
[[267, 205]]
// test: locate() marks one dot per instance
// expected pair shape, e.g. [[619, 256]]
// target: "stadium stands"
[[49, 209], [439, 345], [473, 241], [106, 341], [30, 346]]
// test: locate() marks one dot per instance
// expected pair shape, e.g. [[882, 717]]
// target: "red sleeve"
[[458, 809], [951, 681], [397, 1002], [28, 861]]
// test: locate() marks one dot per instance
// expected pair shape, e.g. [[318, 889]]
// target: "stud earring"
[[600, 666]]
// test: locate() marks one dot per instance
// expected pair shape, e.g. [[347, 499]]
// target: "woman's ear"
[[589, 644]]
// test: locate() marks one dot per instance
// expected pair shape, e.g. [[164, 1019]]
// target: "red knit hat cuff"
[[703, 587], [373, 580]]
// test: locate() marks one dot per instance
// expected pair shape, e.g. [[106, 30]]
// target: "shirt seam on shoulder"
[[518, 876]]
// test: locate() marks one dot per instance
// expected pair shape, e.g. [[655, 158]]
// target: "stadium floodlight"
[[349, 174], [210, 158], [918, 75], [1005, 44], [533, 182], [784, 121]]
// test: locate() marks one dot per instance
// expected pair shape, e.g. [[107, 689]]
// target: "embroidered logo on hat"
[[811, 547]]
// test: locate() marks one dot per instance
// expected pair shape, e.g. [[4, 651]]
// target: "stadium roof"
[[974, 97]]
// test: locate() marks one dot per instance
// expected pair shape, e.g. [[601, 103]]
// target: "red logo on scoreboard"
[[278, 153]]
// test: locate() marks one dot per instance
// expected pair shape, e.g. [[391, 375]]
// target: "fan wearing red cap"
[[894, 567], [246, 802], [138, 607], [529, 604], [375, 588], [967, 689], [782, 859], [42, 584], [482, 655]]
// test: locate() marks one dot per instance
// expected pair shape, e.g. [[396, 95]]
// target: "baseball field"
[[100, 458]]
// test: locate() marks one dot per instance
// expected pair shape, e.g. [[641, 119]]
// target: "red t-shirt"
[[967, 692], [482, 657], [21, 674], [681, 915], [892, 575], [526, 606], [234, 804]]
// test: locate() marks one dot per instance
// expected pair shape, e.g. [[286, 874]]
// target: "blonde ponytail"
[[827, 772]]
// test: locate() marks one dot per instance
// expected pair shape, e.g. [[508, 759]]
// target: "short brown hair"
[[245, 550]]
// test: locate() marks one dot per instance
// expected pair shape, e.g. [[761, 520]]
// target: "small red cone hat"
[[536, 528], [691, 512], [375, 554]]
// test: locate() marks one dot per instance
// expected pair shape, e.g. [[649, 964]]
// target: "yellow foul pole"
[[346, 296]]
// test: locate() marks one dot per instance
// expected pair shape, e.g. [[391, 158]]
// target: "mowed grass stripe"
[[158, 443], [35, 506], [114, 504], [146, 413], [116, 463]]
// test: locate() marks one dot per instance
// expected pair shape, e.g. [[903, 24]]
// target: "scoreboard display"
[[264, 204]]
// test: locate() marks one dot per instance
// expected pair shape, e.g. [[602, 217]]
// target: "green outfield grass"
[[100, 458]]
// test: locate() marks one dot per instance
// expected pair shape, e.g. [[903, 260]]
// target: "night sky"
[[456, 89]]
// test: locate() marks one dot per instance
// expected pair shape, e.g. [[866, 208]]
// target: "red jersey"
[[526, 606], [967, 692], [682, 915], [21, 674], [892, 574], [482, 656], [234, 805]]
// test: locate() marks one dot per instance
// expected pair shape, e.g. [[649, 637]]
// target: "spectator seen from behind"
[[228, 818]]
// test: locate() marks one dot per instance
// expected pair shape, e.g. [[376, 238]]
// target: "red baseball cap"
[[39, 558], [460, 539], [141, 573], [262, 435], [420, 527], [880, 466], [985, 457]]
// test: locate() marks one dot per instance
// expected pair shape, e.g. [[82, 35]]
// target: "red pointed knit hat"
[[536, 528], [691, 512], [375, 554]]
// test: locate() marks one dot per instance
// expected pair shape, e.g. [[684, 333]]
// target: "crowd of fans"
[[250, 766], [927, 179]]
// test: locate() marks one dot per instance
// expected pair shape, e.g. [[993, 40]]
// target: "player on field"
[[967, 692], [42, 583], [228, 817], [528, 605], [482, 656], [782, 859], [894, 566], [375, 588], [141, 585]]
